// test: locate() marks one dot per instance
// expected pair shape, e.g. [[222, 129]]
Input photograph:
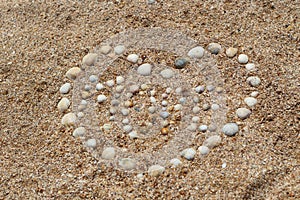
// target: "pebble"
[[101, 98], [82, 107], [89, 59], [210, 88], [192, 127], [65, 88], [182, 100], [203, 128], [132, 58], [253, 81], [125, 111], [125, 121], [140, 176], [243, 58], [69, 119], [63, 104], [212, 127], [196, 52], [196, 99], [99, 86], [188, 153], [127, 128], [79, 132], [93, 78], [83, 102], [152, 100], [167, 73], [73, 73], [196, 110], [180, 63], [105, 49], [243, 113], [164, 114], [250, 66], [108, 153], [120, 80], [199, 89], [175, 162], [219, 89], [206, 107], [164, 103], [106, 127], [112, 118], [151, 109], [112, 111], [119, 88], [204, 150], [85, 94], [215, 106], [91, 143], [127, 163], [144, 86], [80, 115], [212, 141], [133, 135], [155, 170], [134, 89], [195, 119], [87, 87], [231, 52], [152, 92], [230, 129], [250, 101], [214, 48], [128, 104], [151, 1], [144, 69], [178, 107], [224, 165], [164, 95], [254, 94], [110, 83], [168, 90], [119, 49]]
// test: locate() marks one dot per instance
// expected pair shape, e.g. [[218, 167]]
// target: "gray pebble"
[[105, 49], [164, 114], [133, 135], [214, 48], [108, 153], [250, 101], [204, 150], [177, 107], [210, 88], [196, 110], [243, 113], [125, 121], [188, 153], [196, 52], [132, 58], [127, 163], [127, 128], [230, 129], [180, 63], [144, 69], [119, 49], [134, 89], [99, 86], [250, 66], [124, 111], [167, 73], [200, 89], [206, 107], [101, 98], [203, 128], [79, 132], [93, 78], [65, 88], [192, 127], [91, 143], [119, 88], [215, 106], [110, 83], [155, 170], [253, 81], [175, 162], [151, 109], [212, 141]]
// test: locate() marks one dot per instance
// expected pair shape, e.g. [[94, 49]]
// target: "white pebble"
[[210, 88], [243, 58], [144, 86], [164, 103], [215, 107], [214, 48], [119, 88], [254, 81], [164, 114], [108, 153], [110, 83], [119, 49], [99, 86], [178, 90], [167, 73], [164, 95], [212, 141], [250, 101], [106, 127], [254, 94], [120, 80], [91, 143], [196, 99], [177, 107], [73, 73], [155, 170], [152, 92], [224, 165], [105, 49], [112, 110], [151, 109], [175, 162], [69, 119], [230, 129], [200, 89], [79, 132], [63, 104], [204, 150], [182, 100], [127, 163], [65, 88], [93, 78], [206, 106], [188, 153], [145, 69], [196, 52], [125, 121], [133, 135], [112, 118], [250, 66], [89, 59], [114, 102], [134, 88], [125, 111], [140, 176], [152, 100], [127, 128], [203, 128], [87, 87], [101, 98], [132, 58], [195, 119], [168, 90], [196, 110], [243, 113]]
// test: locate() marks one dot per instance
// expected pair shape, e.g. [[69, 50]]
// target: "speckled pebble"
[[133, 135], [65, 88], [214, 48], [230, 129], [188, 153], [196, 52], [250, 101], [243, 58], [108, 153], [231, 52], [243, 113], [69, 119], [145, 69]]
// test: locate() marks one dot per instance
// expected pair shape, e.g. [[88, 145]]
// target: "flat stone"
[[188, 153], [145, 69], [243, 113], [214, 48], [196, 52], [127, 163], [133, 58], [231, 52], [254, 94], [69, 119], [79, 132], [63, 104], [73, 73], [199, 89], [250, 101], [108, 153], [167, 73], [110, 83], [230, 129], [127, 128], [133, 135], [155, 170], [65, 88], [89, 59], [212, 141], [243, 58]]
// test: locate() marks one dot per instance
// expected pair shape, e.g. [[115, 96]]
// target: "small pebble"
[[243, 113], [199, 89], [110, 83], [87, 88], [119, 88], [164, 95], [203, 128], [119, 49], [140, 176], [93, 78], [79, 132], [65, 88], [230, 129], [91, 143], [132, 58], [120, 80], [106, 127], [73, 73], [180, 63], [178, 107], [175, 162], [254, 94], [231, 52], [144, 86], [196, 99], [151, 109], [69, 119], [192, 127], [85, 94], [155, 170], [127, 163], [63, 104], [152, 92], [105, 49], [80, 115], [196, 110], [250, 66], [167, 73], [101, 98], [214, 48], [212, 127], [99, 86], [243, 58], [125, 121], [108, 153], [219, 89], [164, 114], [125, 111], [127, 128], [128, 104], [196, 52], [82, 107], [204, 150], [83, 102], [168, 90], [89, 59], [152, 100], [144, 69], [212, 141], [112, 118], [134, 89], [253, 81], [165, 131], [114, 102], [182, 100], [164, 103], [250, 101], [224, 165], [195, 119], [210, 88], [133, 135], [215, 106], [151, 1], [188, 153], [112, 110], [206, 107]]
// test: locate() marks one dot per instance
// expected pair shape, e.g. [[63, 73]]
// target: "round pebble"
[[73, 73], [231, 52], [134, 89], [119, 49], [101, 98], [69, 119], [206, 107], [164, 103], [180, 63], [177, 107], [175, 162], [124, 111], [91, 143], [89, 59], [127, 163], [182, 100], [119, 88], [127, 128], [167, 73], [155, 170], [110, 83], [254, 94], [243, 58], [99, 86], [108, 153], [79, 132], [164, 114], [63, 104], [196, 99], [105, 49], [250, 101], [203, 128], [200, 89], [106, 127], [151, 109], [152, 100], [212, 141], [65, 88], [243, 113], [132, 58], [151, 1], [87, 87], [120, 80], [125, 121], [80, 115], [196, 52], [214, 48], [215, 107], [196, 110], [195, 119], [144, 69], [212, 127], [230, 129], [93, 78], [250, 66], [254, 81], [188, 153], [204, 150], [210, 88], [133, 135]]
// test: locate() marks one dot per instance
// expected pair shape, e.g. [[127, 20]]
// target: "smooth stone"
[[175, 162], [196, 52], [144, 86], [63, 104], [151, 1], [73, 73], [125, 121], [192, 127], [155, 170], [206, 107], [204, 150], [79, 132], [210, 88], [243, 58], [89, 59], [80, 115], [119, 88], [106, 127], [112, 118], [167, 73], [113, 110], [214, 48], [195, 119], [178, 107], [83, 102], [250, 66], [243, 113], [164, 103], [250, 101], [212, 141], [127, 128], [188, 153], [101, 98], [203, 128], [168, 90], [119, 49], [254, 94], [105, 49], [82, 107], [199, 89], [219, 89], [231, 52], [212, 127], [108, 153], [127, 163], [110, 83], [182, 100], [93, 78], [85, 94], [164, 95], [69, 119], [87, 88], [152, 100], [152, 109], [253, 81], [65, 88], [215, 107], [164, 114], [134, 89], [140, 176], [133, 135], [196, 109], [180, 63], [132, 58], [230, 129], [120, 80], [196, 99], [145, 69], [124, 111], [114, 102], [99, 86], [91, 143]]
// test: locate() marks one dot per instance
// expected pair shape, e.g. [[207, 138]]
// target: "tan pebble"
[[69, 119], [85, 94], [128, 104], [231, 52], [89, 59], [156, 170], [73, 73], [105, 49], [219, 89], [164, 131], [63, 104]]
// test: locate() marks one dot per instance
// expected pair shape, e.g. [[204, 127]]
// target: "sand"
[[41, 40]]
